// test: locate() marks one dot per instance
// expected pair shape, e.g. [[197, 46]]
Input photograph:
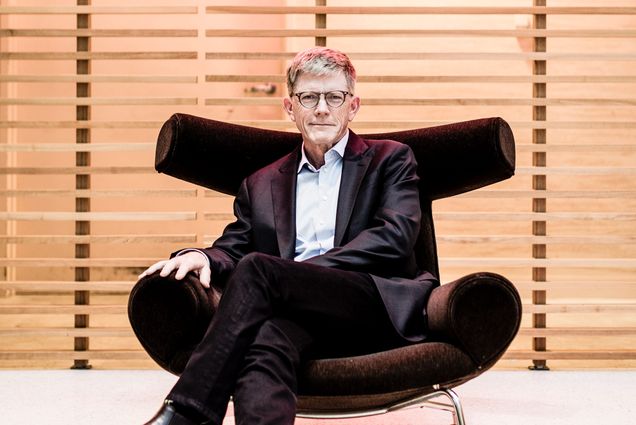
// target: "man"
[[319, 261]]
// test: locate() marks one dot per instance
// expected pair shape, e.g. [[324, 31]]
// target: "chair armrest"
[[480, 313], [170, 316]]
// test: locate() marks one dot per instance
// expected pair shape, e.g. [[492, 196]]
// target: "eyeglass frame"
[[324, 94]]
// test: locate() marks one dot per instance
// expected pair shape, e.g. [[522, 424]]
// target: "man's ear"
[[289, 108], [354, 107]]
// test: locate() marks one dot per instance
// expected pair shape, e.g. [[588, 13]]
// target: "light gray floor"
[[497, 397]]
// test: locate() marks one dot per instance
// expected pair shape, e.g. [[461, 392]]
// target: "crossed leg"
[[273, 313]]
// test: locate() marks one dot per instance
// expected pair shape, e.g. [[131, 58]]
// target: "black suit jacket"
[[377, 224]]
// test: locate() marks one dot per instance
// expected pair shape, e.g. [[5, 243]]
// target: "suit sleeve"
[[384, 246], [236, 240]]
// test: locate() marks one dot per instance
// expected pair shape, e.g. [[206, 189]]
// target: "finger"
[[150, 270], [183, 270], [168, 267], [205, 277]]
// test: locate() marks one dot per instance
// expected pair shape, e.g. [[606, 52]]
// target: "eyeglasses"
[[310, 99]]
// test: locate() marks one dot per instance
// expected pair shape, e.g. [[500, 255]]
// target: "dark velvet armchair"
[[472, 320]]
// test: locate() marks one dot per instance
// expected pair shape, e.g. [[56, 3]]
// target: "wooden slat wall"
[[86, 85]]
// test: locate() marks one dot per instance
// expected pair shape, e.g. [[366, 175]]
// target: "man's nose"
[[322, 106]]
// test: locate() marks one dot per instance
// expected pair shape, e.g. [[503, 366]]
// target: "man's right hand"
[[191, 261]]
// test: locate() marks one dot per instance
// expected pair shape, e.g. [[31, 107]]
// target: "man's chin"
[[322, 138]]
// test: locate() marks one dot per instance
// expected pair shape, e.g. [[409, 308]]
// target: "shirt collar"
[[339, 148]]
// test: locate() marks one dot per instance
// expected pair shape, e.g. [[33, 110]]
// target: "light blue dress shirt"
[[317, 202]]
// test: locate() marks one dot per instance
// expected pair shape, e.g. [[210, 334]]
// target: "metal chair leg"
[[458, 412], [454, 407]]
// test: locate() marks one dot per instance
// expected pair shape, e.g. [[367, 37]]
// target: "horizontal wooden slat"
[[410, 32], [67, 332], [214, 194], [99, 101], [66, 286], [98, 10], [218, 216], [44, 55], [94, 193], [92, 78], [97, 33], [547, 240], [609, 286], [49, 262], [392, 79], [570, 355], [576, 125], [576, 171], [410, 56], [581, 308], [75, 170], [62, 309], [578, 331], [99, 239], [421, 10], [77, 147], [607, 147], [537, 216], [98, 216], [82, 124], [74, 355], [550, 194], [537, 262]]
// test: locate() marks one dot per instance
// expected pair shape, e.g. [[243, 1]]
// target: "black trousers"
[[274, 314]]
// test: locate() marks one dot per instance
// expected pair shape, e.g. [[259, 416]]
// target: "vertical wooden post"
[[9, 113], [539, 184], [321, 23], [82, 181]]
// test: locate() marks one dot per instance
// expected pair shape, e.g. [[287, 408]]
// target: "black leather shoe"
[[167, 415]]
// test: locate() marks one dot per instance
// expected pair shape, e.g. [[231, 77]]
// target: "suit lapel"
[[284, 205], [354, 168]]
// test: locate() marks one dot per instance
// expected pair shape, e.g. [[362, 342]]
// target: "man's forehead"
[[313, 82]]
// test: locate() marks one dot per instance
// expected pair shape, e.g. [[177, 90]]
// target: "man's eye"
[[309, 97], [334, 97]]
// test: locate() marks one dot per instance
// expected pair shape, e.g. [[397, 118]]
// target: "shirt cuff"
[[183, 251]]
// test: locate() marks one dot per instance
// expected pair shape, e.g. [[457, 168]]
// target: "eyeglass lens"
[[311, 99]]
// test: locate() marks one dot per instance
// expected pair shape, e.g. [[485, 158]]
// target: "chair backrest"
[[452, 159]]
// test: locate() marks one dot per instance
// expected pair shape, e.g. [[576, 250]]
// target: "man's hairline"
[[350, 89]]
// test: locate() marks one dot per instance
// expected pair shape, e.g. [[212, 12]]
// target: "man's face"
[[321, 126]]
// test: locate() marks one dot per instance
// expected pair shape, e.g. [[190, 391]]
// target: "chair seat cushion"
[[379, 379], [169, 317]]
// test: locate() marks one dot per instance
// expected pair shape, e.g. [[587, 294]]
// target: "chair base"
[[454, 406]]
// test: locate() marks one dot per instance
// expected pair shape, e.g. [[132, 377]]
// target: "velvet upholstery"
[[472, 320]]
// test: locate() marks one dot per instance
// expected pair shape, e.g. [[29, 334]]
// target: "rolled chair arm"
[[480, 313], [170, 316]]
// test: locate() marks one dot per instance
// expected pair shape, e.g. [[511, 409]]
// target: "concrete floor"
[[497, 397]]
